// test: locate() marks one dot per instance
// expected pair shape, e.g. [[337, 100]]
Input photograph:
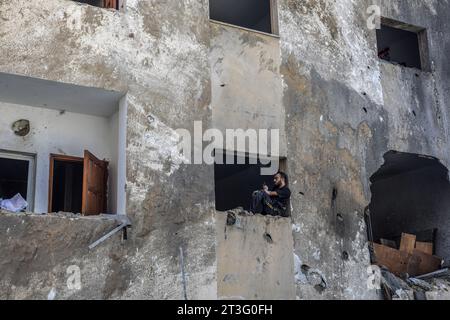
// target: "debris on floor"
[[435, 286], [411, 271]]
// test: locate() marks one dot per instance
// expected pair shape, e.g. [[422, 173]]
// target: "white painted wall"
[[68, 133]]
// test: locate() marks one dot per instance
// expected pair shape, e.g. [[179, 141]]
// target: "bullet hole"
[[321, 287], [268, 237], [365, 109], [364, 94], [223, 85], [131, 35], [368, 67], [340, 217], [231, 219], [21, 127], [414, 113], [302, 193], [305, 268], [345, 256], [314, 278], [417, 75], [334, 194], [150, 118], [62, 112]]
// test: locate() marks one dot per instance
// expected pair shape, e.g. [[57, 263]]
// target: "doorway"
[[78, 185]]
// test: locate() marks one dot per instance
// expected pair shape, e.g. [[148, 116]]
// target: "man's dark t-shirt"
[[284, 194]]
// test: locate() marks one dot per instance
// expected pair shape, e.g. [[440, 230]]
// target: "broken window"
[[110, 4], [235, 183], [17, 176], [402, 44], [411, 200], [252, 14]]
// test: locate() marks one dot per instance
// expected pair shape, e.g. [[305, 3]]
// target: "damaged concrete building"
[[92, 94]]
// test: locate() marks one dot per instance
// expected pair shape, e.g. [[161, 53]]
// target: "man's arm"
[[270, 193]]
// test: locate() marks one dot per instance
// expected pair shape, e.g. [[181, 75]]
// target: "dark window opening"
[[13, 178], [411, 194], [109, 4], [251, 14], [406, 46], [235, 183], [67, 186]]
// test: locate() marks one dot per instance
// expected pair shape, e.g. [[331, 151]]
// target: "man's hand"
[[265, 188]]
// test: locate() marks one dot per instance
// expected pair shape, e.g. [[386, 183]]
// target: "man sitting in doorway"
[[273, 202]]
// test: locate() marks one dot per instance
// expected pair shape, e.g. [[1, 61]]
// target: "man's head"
[[280, 179]]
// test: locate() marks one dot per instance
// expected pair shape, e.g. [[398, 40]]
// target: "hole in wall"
[[411, 194], [334, 194], [345, 256], [21, 127], [268, 238]]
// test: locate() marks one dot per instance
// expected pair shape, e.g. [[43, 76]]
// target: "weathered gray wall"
[[246, 82], [156, 52], [37, 252], [255, 258], [331, 72]]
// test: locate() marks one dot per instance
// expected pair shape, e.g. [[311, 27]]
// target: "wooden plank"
[[408, 243], [425, 247], [395, 260], [427, 264]]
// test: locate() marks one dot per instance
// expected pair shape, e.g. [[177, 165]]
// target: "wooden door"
[[111, 4], [95, 178]]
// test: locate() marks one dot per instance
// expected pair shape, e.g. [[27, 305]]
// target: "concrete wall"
[[246, 82], [344, 109], [41, 253], [158, 53], [255, 258], [67, 133]]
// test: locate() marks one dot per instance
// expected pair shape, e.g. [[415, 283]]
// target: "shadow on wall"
[[411, 194]]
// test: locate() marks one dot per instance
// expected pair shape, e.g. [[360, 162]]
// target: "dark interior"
[[251, 14], [13, 178], [399, 46], [411, 194], [235, 183], [97, 3], [67, 186]]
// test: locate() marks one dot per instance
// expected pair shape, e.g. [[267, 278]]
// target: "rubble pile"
[[412, 271]]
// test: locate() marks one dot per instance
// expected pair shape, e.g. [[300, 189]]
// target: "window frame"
[[274, 21], [422, 38], [119, 4], [31, 158]]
